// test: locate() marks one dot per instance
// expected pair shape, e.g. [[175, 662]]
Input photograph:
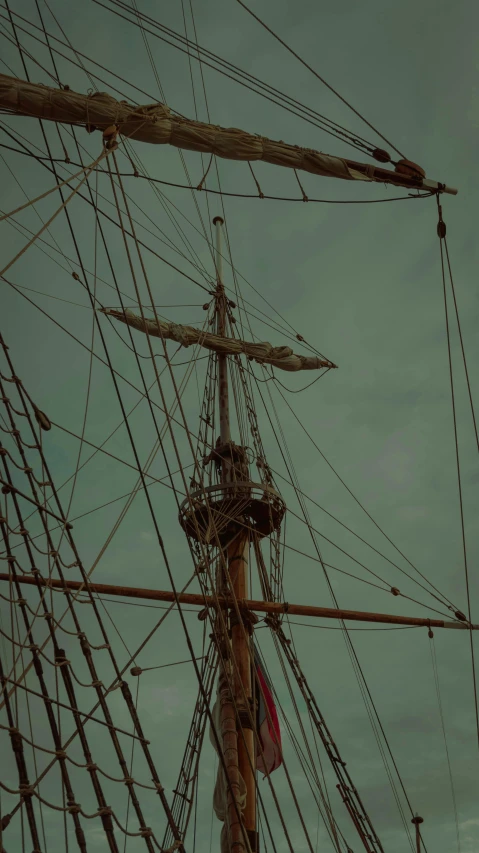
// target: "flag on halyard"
[[267, 725]]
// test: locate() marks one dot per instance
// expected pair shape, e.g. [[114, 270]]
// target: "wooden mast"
[[237, 557]]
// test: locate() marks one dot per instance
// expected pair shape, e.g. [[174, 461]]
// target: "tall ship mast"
[[146, 466]]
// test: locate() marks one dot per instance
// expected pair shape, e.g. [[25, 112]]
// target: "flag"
[[267, 725]]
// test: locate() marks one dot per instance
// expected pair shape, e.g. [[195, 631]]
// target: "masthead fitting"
[[218, 219]]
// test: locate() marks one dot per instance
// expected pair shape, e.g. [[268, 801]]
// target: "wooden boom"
[[155, 123], [277, 608]]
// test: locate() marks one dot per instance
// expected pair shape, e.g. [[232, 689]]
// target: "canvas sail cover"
[[155, 123], [262, 352]]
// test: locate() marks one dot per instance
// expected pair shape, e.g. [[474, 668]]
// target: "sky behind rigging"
[[361, 282]]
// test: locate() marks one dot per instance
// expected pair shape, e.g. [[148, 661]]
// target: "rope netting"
[[67, 712]]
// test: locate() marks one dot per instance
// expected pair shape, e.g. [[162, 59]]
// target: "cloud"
[[146, 536]]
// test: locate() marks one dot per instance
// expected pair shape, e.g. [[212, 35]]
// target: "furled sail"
[[262, 352], [155, 123]]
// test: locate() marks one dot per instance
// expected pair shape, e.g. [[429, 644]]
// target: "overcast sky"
[[362, 282]]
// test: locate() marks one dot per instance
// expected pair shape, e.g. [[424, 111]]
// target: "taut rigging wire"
[[169, 244], [99, 358], [358, 501], [222, 193], [26, 52], [306, 65], [159, 84], [110, 219], [432, 648], [363, 686], [466, 371], [285, 331], [59, 53], [442, 600], [265, 90], [441, 232]]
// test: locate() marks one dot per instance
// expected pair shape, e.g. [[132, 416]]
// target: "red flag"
[[268, 726]]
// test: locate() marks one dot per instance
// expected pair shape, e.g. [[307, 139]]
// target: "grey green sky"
[[362, 282]]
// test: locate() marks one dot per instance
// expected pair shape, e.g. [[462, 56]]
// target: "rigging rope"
[[265, 90], [441, 232], [369, 703], [88, 170], [306, 65], [442, 600], [44, 195], [450, 605], [432, 648]]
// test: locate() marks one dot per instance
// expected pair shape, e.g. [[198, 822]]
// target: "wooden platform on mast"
[[223, 510]]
